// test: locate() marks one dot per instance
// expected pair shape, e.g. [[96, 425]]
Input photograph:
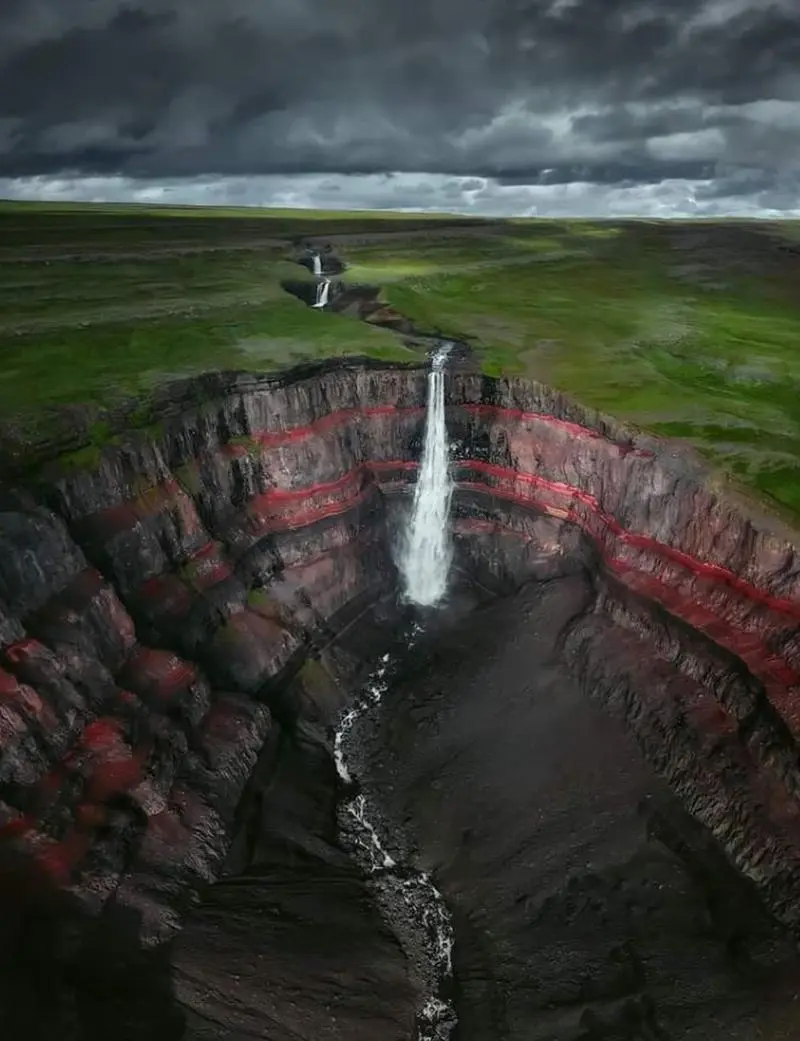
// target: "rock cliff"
[[189, 608]]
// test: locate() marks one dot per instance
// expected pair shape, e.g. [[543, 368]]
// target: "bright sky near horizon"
[[548, 107]]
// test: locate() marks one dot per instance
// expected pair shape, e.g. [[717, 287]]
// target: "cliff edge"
[[194, 605]]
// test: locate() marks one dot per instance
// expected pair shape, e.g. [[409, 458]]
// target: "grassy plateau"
[[688, 329]]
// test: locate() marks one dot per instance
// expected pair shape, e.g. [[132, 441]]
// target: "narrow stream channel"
[[407, 897]]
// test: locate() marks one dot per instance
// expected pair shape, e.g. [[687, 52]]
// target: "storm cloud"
[[697, 99]]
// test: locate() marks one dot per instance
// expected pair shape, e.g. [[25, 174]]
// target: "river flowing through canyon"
[[393, 700], [409, 898]]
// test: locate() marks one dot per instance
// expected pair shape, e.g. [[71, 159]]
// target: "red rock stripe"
[[314, 514], [781, 680], [575, 429], [508, 476], [268, 438], [279, 496], [749, 647], [715, 571]]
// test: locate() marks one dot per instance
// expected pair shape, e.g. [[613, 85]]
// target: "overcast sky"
[[598, 107]]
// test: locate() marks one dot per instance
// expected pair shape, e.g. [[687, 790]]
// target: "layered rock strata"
[[155, 605]]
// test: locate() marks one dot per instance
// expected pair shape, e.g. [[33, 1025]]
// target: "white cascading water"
[[398, 884], [322, 293], [424, 565], [316, 259], [427, 550]]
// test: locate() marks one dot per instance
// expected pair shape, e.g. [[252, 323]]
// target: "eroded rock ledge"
[[166, 609]]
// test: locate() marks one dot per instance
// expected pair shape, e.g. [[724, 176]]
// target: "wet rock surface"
[[183, 618]]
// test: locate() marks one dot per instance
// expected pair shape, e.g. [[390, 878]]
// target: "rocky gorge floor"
[[587, 903]]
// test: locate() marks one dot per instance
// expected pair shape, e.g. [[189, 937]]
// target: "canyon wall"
[[158, 601]]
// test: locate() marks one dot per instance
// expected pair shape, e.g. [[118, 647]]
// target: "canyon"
[[185, 618]]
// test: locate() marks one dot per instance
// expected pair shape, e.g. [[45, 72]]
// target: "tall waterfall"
[[409, 897], [427, 550], [323, 289], [317, 262]]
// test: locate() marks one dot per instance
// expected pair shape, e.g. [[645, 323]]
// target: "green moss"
[[314, 675], [260, 600], [87, 458], [189, 571], [155, 431], [226, 634], [251, 446], [189, 478]]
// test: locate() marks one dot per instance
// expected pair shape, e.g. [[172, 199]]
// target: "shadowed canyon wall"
[[171, 611]]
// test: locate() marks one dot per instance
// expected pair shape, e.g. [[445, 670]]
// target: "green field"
[[690, 330]]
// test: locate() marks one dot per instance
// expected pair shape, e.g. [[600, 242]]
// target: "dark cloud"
[[529, 92]]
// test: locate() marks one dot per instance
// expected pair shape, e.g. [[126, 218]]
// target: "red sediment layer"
[[780, 678], [100, 765], [515, 486], [115, 520], [781, 681], [627, 552], [326, 423], [206, 567], [342, 417], [632, 554], [287, 509], [159, 673], [574, 429], [152, 500], [23, 651]]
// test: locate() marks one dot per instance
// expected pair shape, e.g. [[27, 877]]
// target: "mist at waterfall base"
[[408, 897], [426, 551]]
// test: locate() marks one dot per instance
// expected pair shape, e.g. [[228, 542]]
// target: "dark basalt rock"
[[182, 622], [305, 291]]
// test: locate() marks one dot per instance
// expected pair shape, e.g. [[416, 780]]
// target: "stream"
[[407, 897]]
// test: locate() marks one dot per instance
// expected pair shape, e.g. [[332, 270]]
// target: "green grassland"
[[95, 303], [690, 330]]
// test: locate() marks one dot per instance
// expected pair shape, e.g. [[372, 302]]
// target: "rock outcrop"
[[172, 609]]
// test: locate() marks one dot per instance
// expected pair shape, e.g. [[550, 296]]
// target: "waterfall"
[[317, 261], [323, 288], [408, 897], [427, 550]]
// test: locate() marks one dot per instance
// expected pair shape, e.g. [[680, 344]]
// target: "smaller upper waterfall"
[[323, 288], [427, 550], [317, 262]]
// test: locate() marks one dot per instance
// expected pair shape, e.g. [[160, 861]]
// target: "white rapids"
[[316, 260], [393, 881], [427, 552]]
